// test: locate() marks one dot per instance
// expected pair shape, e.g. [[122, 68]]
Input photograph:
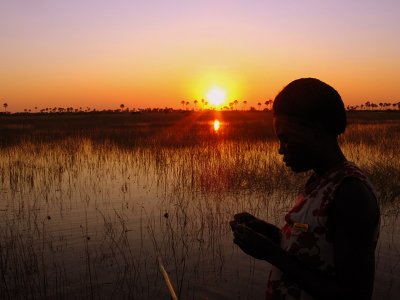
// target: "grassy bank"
[[172, 128]]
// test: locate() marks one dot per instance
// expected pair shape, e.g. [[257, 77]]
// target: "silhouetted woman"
[[326, 249]]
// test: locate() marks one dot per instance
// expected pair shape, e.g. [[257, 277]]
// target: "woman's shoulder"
[[354, 198]]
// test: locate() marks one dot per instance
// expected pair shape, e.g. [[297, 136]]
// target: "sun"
[[216, 96], [214, 87]]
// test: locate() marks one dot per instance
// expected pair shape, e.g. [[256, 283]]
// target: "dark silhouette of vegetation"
[[201, 105], [268, 104]]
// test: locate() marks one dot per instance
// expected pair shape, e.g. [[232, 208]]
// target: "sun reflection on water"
[[216, 125]]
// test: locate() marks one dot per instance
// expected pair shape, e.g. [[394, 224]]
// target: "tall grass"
[[89, 216]]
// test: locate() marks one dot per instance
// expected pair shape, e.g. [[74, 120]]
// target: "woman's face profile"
[[297, 143]]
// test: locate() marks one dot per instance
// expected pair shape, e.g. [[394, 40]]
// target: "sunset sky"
[[99, 54]]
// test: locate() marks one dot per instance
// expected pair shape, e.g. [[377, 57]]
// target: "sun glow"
[[216, 96], [216, 125], [214, 89]]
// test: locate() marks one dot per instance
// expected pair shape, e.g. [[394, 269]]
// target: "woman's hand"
[[254, 243], [243, 218], [266, 229]]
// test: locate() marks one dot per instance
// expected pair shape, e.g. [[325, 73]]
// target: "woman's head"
[[310, 100], [308, 117]]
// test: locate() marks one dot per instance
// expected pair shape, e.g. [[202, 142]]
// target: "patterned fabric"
[[306, 232]]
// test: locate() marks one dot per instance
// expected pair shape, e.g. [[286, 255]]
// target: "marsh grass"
[[88, 214]]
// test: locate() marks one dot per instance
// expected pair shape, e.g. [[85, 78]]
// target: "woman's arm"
[[355, 221]]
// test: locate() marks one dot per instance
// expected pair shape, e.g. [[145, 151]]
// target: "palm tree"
[[183, 103], [195, 104], [268, 104], [122, 106], [259, 105], [5, 107], [244, 104]]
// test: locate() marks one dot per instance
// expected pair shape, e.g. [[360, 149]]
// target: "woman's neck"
[[330, 158]]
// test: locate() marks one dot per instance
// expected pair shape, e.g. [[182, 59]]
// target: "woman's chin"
[[297, 168]]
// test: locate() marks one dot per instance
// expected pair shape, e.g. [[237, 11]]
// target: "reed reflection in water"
[[80, 218]]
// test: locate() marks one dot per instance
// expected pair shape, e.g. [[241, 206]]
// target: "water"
[[83, 219]]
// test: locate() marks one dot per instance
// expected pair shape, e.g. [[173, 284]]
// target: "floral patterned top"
[[306, 233]]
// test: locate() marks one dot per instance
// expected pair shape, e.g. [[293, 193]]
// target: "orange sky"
[[100, 54]]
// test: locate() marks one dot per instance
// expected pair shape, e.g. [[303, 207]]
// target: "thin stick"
[[160, 263], [167, 280]]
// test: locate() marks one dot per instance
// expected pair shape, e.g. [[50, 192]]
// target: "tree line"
[[201, 105]]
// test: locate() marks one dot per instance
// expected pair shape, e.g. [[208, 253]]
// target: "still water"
[[80, 219]]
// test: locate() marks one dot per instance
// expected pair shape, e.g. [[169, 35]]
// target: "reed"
[[79, 214]]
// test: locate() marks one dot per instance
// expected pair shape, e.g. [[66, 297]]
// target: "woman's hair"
[[311, 100]]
